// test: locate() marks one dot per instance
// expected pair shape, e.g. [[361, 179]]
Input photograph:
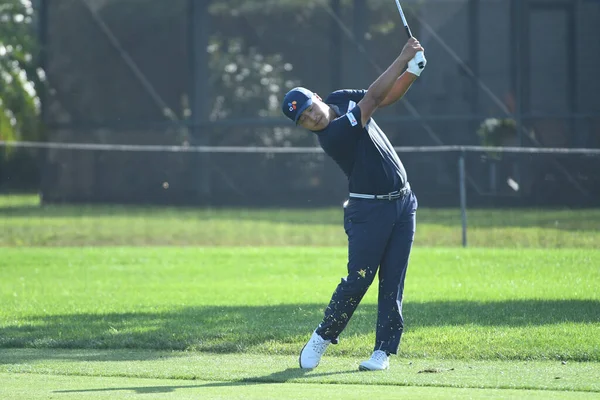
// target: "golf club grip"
[[420, 56], [420, 59]]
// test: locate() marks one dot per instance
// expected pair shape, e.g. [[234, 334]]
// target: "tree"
[[19, 76]]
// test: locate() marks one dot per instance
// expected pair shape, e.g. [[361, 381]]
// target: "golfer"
[[379, 216]]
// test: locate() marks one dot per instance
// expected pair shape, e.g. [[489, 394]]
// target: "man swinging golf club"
[[379, 216]]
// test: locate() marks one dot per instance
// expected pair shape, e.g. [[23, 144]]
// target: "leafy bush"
[[19, 76]]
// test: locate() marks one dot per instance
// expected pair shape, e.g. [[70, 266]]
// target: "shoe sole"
[[363, 368]]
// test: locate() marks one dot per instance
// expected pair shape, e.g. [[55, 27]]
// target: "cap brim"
[[302, 109]]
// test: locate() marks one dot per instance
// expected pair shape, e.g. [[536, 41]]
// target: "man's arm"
[[399, 89], [380, 89]]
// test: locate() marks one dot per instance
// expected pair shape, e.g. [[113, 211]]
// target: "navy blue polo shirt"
[[364, 154]]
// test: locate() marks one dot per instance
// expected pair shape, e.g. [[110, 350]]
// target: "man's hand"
[[414, 68], [410, 49], [379, 90]]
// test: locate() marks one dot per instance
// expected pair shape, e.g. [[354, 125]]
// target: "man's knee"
[[355, 285]]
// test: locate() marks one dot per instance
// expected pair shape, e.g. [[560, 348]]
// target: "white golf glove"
[[413, 64]]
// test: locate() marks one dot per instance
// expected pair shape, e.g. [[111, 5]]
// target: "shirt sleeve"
[[353, 117], [344, 129], [355, 95]]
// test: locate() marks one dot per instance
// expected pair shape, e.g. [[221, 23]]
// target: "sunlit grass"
[[23, 222], [466, 304]]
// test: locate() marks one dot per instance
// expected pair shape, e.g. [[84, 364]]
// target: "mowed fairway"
[[233, 316], [152, 319], [23, 222]]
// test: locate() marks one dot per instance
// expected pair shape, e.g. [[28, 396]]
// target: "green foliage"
[[19, 78], [240, 7], [495, 132], [248, 82], [248, 77]]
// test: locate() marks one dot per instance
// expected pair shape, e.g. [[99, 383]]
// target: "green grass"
[[223, 309], [23, 222], [459, 304], [189, 373], [32, 387]]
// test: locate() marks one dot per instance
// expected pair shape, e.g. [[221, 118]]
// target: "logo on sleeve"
[[352, 119]]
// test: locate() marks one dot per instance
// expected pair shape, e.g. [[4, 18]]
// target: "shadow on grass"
[[579, 220], [236, 329], [276, 377]]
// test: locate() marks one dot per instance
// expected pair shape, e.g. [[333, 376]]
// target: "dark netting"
[[213, 74], [492, 179], [105, 60], [532, 180]]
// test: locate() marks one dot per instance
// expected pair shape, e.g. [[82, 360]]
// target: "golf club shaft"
[[408, 32], [419, 56]]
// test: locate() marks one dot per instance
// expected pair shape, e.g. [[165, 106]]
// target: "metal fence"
[[305, 177], [212, 73]]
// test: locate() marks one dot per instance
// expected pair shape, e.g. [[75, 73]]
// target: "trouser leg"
[[368, 226], [392, 272]]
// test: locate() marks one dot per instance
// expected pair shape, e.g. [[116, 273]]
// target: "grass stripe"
[[33, 387], [533, 305], [23, 222], [253, 368]]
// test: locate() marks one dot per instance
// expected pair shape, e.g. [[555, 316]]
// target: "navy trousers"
[[380, 237]]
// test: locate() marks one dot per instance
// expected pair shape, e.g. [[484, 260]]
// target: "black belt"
[[398, 194]]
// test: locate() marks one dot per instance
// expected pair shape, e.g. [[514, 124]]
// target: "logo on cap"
[[295, 102]]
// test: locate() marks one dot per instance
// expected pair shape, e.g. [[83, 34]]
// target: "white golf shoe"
[[379, 361], [312, 351]]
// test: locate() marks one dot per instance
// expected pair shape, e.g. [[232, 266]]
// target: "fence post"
[[463, 196]]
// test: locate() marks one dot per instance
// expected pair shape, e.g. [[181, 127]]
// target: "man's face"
[[315, 117]]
